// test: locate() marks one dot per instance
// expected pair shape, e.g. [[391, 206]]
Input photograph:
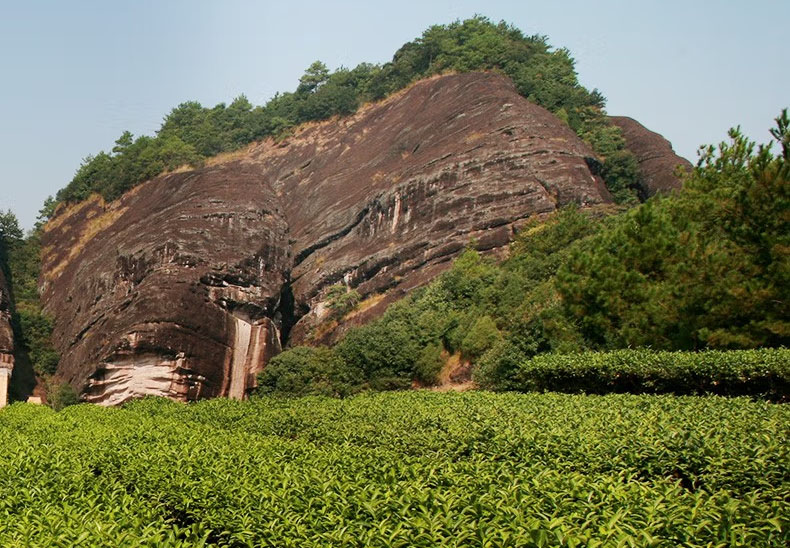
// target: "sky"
[[74, 75]]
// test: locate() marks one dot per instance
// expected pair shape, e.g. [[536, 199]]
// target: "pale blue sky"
[[75, 75]]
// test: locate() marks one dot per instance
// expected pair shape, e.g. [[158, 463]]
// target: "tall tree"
[[709, 266]]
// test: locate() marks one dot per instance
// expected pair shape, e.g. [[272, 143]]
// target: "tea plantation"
[[399, 469]]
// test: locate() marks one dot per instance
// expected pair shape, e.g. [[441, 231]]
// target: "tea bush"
[[399, 469], [764, 373]]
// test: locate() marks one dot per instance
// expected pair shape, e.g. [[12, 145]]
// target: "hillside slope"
[[187, 284]]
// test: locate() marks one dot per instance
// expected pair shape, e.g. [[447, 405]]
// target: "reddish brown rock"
[[657, 160], [186, 285], [6, 340], [155, 293], [6, 333]]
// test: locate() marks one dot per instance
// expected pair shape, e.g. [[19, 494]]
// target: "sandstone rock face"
[[185, 286], [170, 290], [657, 160], [6, 333], [6, 340]]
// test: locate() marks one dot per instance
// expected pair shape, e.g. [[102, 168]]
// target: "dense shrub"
[[341, 300], [61, 395], [384, 353], [764, 373], [416, 469], [497, 368], [705, 267], [429, 364], [303, 370], [482, 335]]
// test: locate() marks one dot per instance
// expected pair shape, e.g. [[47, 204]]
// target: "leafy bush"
[[482, 336], [384, 354], [764, 373], [61, 395], [304, 371], [496, 369], [341, 300], [705, 267], [35, 329], [407, 469], [429, 364]]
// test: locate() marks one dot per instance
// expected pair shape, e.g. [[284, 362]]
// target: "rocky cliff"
[[657, 160], [6, 333], [185, 286], [6, 339]]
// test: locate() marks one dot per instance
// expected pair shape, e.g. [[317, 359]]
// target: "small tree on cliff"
[[314, 77]]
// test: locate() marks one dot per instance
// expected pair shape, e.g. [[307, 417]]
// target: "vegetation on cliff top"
[[705, 268], [191, 132]]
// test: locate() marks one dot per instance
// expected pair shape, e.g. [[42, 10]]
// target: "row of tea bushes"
[[762, 373], [399, 469]]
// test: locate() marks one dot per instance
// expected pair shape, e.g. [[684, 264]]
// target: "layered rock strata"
[[188, 284], [657, 160]]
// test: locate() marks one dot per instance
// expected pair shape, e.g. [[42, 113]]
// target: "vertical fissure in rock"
[[286, 311]]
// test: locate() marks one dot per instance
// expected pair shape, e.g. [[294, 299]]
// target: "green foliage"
[[9, 227], [542, 245], [408, 469], [21, 263], [341, 300], [61, 395], [46, 212], [10, 235], [705, 267], [464, 285], [619, 167], [35, 329], [192, 132], [527, 306], [429, 364], [498, 366], [481, 337], [384, 352], [303, 370], [314, 77], [763, 373]]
